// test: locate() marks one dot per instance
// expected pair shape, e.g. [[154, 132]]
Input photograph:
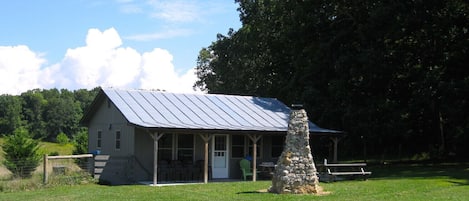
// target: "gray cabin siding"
[[143, 155], [108, 120]]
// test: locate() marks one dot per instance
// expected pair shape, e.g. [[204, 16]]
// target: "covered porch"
[[203, 156]]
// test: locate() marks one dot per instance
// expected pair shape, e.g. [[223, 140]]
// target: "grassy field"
[[397, 182], [388, 182]]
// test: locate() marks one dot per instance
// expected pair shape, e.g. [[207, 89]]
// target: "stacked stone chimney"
[[295, 171]]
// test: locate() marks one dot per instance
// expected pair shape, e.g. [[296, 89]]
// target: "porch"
[[199, 158]]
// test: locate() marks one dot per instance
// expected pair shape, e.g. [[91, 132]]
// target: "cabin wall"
[[143, 158], [116, 140]]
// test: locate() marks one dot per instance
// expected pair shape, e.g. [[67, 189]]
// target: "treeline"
[[45, 113], [393, 74]]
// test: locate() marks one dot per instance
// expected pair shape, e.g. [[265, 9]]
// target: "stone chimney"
[[295, 171]]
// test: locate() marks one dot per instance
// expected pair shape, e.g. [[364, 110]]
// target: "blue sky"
[[111, 43]]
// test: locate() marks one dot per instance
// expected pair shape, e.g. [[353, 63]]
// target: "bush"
[[62, 139], [80, 143], [21, 153]]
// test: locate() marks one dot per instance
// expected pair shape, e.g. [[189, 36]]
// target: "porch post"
[[206, 138], [156, 137], [335, 140], [254, 138]]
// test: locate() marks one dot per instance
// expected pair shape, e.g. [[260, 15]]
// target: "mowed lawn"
[[397, 182]]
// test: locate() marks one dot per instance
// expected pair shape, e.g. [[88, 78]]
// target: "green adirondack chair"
[[245, 166]]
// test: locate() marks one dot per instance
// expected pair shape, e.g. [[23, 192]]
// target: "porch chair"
[[245, 166]]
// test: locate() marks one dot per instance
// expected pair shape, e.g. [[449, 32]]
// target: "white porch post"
[[206, 138], [156, 137], [254, 138]]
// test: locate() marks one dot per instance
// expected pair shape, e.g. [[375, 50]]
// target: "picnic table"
[[332, 170], [267, 169]]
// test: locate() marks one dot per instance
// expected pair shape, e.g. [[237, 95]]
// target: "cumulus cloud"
[[19, 69], [101, 62]]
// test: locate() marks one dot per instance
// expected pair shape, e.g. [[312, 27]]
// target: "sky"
[[131, 44]]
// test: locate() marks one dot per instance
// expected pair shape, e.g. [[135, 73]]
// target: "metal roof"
[[163, 110]]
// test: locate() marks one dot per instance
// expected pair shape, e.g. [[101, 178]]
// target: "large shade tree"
[[384, 71]]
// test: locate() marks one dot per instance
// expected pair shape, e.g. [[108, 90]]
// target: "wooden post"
[[45, 169], [156, 137], [206, 138], [335, 140], [254, 138]]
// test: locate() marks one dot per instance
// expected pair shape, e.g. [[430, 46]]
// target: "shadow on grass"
[[254, 192], [458, 171]]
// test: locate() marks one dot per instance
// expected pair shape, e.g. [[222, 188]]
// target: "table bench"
[[343, 169], [266, 169]]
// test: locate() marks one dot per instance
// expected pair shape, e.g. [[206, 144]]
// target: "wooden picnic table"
[[343, 169], [267, 169]]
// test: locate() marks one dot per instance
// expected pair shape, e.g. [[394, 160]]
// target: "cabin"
[[168, 137]]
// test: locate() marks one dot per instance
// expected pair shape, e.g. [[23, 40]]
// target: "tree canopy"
[[45, 113], [391, 73]]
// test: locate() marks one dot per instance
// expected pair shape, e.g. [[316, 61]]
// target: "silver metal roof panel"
[[154, 109]]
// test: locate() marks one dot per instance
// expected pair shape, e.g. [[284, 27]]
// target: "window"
[[165, 144], [185, 149], [277, 145], [98, 140], [118, 139], [237, 146], [241, 146]]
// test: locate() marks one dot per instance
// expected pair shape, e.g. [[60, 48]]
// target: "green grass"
[[48, 147], [397, 182]]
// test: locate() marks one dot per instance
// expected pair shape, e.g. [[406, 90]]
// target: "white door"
[[220, 156]]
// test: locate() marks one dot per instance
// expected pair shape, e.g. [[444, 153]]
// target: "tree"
[[21, 153], [33, 104], [61, 113], [391, 71], [10, 114]]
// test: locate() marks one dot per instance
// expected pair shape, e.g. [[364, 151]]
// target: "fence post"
[[45, 169]]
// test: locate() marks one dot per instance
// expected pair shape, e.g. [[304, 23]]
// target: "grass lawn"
[[397, 182]]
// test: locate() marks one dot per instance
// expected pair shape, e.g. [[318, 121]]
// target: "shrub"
[[21, 153], [80, 143], [62, 139]]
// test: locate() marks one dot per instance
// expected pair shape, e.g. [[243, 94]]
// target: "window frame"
[[118, 140], [248, 146], [99, 137], [182, 149]]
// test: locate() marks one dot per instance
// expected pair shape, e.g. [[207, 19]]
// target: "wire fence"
[[67, 169], [52, 170]]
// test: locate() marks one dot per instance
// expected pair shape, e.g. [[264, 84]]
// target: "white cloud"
[[176, 10], [160, 35], [19, 69], [101, 62]]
